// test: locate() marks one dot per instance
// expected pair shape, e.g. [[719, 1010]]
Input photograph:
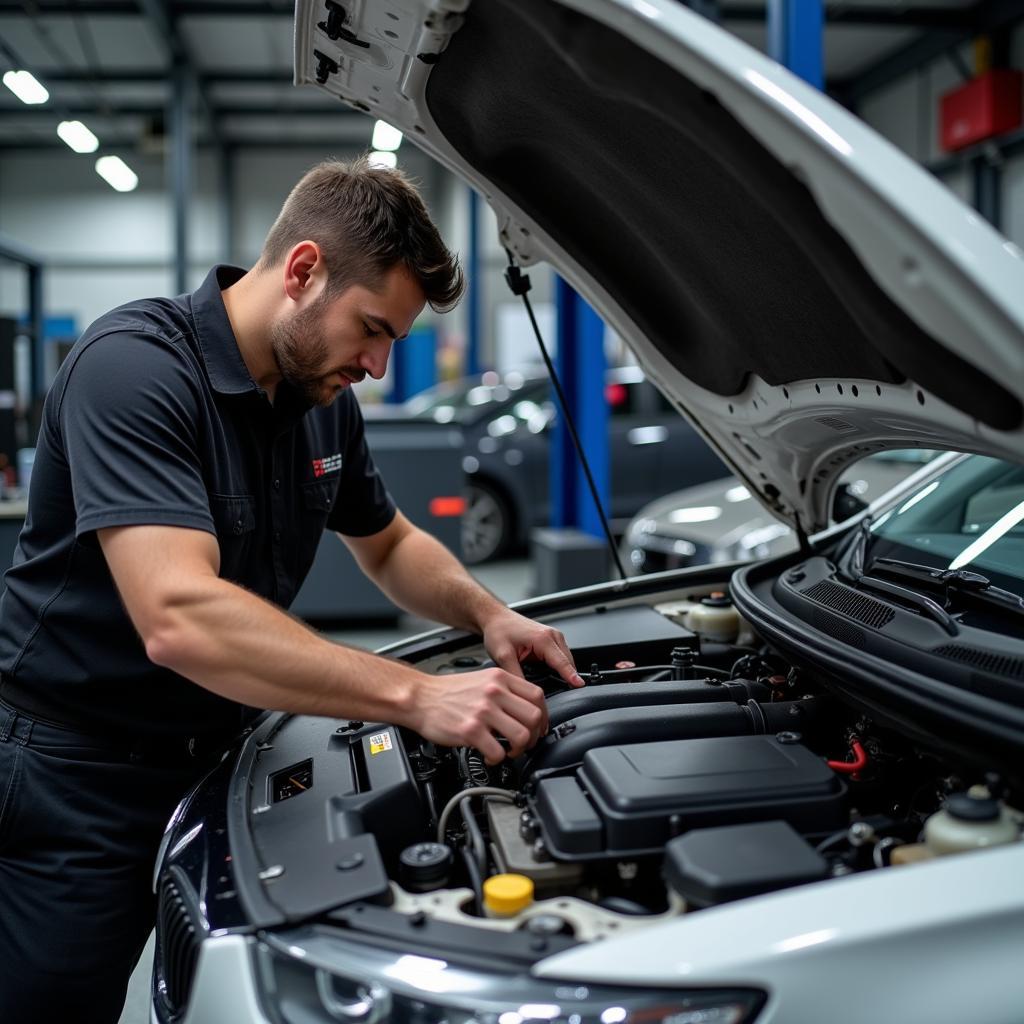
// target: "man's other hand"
[[474, 708], [511, 638]]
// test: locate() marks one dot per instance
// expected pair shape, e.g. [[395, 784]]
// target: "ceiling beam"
[[129, 146], [840, 14], [120, 8], [986, 16], [136, 76], [10, 113], [158, 14]]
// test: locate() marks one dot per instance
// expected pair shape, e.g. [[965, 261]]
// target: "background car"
[[722, 522], [506, 422]]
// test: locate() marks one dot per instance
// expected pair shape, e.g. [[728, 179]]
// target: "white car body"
[[940, 942]]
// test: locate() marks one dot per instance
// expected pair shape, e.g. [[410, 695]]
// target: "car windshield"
[[971, 517]]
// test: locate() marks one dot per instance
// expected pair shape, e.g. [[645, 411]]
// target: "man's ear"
[[304, 272]]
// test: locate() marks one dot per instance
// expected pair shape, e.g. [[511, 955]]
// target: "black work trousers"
[[81, 818]]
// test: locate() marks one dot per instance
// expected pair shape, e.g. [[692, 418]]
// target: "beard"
[[301, 351]]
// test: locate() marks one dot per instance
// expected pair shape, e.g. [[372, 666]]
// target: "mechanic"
[[191, 452]]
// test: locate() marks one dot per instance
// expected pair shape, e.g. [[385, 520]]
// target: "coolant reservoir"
[[507, 895], [677, 611], [969, 821], [715, 619]]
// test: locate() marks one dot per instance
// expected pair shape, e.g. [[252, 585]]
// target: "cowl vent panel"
[[848, 602]]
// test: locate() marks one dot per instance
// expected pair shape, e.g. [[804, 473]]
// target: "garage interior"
[[195, 100]]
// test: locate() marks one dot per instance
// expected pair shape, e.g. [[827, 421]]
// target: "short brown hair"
[[365, 220]]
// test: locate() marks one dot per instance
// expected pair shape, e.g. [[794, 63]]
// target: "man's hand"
[[511, 638], [471, 709]]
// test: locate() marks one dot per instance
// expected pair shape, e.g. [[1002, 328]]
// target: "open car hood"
[[799, 288]]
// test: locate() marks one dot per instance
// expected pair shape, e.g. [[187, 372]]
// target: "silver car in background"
[[722, 522]]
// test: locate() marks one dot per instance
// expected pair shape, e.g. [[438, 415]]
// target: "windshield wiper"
[[855, 557], [921, 602], [953, 583]]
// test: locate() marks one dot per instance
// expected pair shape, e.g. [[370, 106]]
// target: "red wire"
[[858, 764]]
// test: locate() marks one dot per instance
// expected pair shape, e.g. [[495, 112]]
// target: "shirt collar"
[[224, 364]]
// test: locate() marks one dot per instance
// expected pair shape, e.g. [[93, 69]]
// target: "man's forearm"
[[422, 576], [236, 644], [242, 647]]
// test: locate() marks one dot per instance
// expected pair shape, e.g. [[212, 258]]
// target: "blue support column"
[[414, 364], [474, 280], [581, 369], [795, 37]]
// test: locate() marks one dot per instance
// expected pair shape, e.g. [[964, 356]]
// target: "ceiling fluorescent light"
[[116, 173], [26, 87], [385, 137], [378, 159], [78, 137]]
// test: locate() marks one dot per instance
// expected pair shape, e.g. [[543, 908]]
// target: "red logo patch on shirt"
[[328, 464]]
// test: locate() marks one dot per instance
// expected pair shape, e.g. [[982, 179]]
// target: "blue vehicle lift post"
[[414, 363], [795, 37], [581, 365], [573, 553]]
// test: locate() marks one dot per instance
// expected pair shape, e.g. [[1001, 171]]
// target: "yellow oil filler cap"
[[505, 895]]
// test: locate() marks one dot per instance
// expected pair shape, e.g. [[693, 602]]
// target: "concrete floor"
[[511, 581]]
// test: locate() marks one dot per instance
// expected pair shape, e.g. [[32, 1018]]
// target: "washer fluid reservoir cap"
[[972, 808], [716, 600], [508, 894]]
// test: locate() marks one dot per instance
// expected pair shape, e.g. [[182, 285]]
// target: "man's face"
[[333, 343]]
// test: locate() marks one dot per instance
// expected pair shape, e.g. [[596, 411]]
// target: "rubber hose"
[[587, 699]]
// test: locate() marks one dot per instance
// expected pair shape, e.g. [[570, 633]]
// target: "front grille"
[[986, 661], [847, 601], [178, 943]]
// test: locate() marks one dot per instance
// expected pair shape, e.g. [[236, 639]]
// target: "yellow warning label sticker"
[[380, 742]]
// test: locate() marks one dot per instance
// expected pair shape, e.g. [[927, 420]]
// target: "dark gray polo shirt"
[[154, 419]]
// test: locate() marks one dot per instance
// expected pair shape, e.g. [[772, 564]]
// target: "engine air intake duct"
[[630, 800], [568, 741], [607, 696]]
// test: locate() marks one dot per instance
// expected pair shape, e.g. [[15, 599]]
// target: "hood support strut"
[[519, 284], [801, 536]]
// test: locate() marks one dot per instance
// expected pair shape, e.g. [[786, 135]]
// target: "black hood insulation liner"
[[713, 248]]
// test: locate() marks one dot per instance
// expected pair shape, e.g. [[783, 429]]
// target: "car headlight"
[[314, 977]]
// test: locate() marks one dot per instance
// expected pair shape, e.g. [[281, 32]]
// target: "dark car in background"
[[506, 422]]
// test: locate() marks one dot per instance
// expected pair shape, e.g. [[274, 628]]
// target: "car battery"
[[610, 635]]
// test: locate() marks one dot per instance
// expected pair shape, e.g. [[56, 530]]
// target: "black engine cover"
[[632, 799]]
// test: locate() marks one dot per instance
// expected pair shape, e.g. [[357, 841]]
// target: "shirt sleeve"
[[364, 506], [129, 420]]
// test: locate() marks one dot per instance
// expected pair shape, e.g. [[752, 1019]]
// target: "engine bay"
[[697, 766]]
